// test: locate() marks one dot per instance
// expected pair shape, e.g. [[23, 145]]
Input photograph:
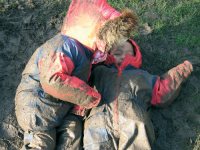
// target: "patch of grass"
[[175, 27], [185, 39]]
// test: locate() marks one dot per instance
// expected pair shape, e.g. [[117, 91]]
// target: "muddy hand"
[[99, 57], [195, 61]]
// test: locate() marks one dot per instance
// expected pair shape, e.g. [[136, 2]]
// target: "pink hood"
[[85, 17]]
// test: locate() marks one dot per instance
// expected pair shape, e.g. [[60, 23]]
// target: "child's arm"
[[167, 87], [56, 80]]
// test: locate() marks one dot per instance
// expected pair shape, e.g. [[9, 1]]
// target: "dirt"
[[25, 25]]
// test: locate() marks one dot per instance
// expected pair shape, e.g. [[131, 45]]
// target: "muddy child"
[[121, 121], [56, 76]]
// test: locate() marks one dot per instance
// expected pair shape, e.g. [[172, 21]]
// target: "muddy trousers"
[[100, 133], [68, 136], [47, 123]]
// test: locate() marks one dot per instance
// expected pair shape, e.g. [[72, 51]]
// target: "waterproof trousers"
[[47, 122], [100, 132]]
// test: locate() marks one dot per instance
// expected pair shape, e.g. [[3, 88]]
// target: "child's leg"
[[96, 135], [39, 115], [134, 135], [70, 133]]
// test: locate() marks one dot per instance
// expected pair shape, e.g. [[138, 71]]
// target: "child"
[[56, 76], [121, 121]]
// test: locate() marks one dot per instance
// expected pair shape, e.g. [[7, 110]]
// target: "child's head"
[[120, 51]]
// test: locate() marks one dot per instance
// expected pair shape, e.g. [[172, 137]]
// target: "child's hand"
[[180, 73], [185, 68], [195, 61], [79, 110], [98, 57]]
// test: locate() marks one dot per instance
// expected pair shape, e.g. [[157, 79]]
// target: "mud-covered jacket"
[[60, 68], [165, 88], [128, 91]]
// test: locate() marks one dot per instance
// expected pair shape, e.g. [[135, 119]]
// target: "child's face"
[[120, 51]]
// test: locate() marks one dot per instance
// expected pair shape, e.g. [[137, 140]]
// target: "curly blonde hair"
[[118, 30]]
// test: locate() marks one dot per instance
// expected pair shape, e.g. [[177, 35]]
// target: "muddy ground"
[[25, 25]]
